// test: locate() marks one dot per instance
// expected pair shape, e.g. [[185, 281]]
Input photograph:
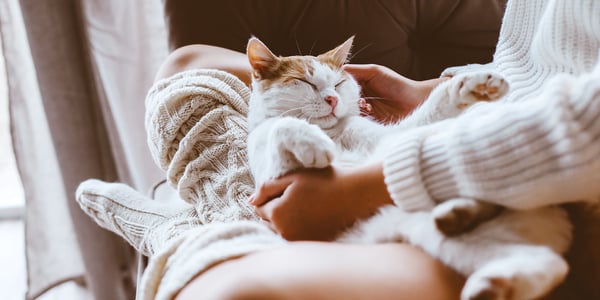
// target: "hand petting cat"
[[305, 205], [389, 96]]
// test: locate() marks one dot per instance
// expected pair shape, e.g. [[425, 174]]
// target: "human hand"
[[387, 95], [318, 204]]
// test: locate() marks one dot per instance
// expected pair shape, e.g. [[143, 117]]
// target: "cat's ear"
[[339, 55], [260, 57]]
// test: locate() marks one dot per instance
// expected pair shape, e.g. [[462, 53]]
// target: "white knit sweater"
[[541, 144]]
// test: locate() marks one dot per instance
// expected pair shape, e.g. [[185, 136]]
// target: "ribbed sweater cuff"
[[437, 168], [418, 172], [402, 171]]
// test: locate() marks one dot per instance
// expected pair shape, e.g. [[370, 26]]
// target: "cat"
[[304, 113]]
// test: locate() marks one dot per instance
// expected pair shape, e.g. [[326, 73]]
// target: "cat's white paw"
[[305, 144], [525, 272], [469, 88], [489, 289], [314, 154]]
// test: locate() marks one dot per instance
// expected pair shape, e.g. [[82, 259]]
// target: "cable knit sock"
[[145, 223]]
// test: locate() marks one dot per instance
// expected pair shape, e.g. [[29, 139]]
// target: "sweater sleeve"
[[544, 150]]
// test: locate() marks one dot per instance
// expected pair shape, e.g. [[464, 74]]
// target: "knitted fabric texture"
[[196, 250], [520, 151], [196, 123], [541, 38], [146, 224], [196, 126]]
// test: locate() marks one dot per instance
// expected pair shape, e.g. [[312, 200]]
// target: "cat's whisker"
[[373, 98], [359, 51], [285, 113], [312, 47], [309, 119], [389, 120], [297, 44]]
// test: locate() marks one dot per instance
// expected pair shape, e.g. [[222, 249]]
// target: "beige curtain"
[[77, 75]]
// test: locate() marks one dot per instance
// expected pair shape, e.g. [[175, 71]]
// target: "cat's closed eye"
[[307, 82], [340, 83]]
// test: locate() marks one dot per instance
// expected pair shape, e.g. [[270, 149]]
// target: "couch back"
[[417, 38]]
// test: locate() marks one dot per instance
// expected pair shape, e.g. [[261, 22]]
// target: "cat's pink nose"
[[332, 101]]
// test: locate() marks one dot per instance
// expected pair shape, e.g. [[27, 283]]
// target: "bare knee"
[[181, 59], [205, 57]]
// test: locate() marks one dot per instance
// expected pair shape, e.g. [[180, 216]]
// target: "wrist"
[[366, 186], [415, 92], [422, 89]]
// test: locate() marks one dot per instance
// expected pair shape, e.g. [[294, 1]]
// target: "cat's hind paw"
[[458, 216], [489, 289], [518, 272], [470, 88]]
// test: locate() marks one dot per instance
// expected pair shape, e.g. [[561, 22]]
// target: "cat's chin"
[[325, 122]]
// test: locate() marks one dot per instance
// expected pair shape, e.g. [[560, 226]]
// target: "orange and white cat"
[[304, 113]]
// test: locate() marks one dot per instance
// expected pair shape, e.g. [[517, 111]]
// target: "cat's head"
[[313, 88]]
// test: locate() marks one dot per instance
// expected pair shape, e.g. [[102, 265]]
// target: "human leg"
[[308, 270], [147, 225], [206, 57]]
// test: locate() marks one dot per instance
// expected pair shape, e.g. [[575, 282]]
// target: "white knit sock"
[[145, 223]]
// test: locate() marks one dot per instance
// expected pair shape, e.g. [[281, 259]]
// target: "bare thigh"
[[310, 270]]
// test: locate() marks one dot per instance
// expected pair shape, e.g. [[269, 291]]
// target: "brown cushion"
[[415, 38]]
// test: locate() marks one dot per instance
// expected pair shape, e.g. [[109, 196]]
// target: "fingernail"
[[252, 198], [362, 102]]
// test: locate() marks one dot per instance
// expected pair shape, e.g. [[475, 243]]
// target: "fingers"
[[362, 73], [365, 107], [269, 190], [265, 212]]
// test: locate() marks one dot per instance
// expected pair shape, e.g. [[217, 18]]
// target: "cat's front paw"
[[317, 153], [304, 144], [470, 88]]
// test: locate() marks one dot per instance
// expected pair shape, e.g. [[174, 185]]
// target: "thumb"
[[269, 190]]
